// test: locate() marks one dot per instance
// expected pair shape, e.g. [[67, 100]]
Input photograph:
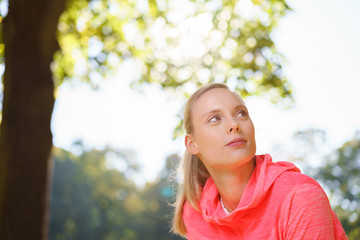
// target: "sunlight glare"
[[82, 21], [4, 6], [158, 34], [245, 9], [179, 11], [131, 32]]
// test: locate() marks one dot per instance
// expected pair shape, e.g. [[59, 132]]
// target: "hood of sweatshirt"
[[260, 182]]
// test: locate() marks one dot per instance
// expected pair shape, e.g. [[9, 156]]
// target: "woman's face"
[[223, 134]]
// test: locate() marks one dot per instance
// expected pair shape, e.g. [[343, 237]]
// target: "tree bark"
[[29, 33]]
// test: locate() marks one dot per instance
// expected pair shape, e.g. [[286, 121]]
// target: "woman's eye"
[[241, 113], [213, 119]]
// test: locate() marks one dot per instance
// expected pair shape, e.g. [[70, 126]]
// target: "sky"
[[320, 40]]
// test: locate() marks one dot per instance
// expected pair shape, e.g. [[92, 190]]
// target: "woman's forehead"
[[216, 99], [219, 95]]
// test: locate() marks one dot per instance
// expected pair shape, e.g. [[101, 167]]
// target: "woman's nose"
[[234, 127]]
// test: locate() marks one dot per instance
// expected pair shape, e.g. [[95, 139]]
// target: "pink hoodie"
[[278, 202]]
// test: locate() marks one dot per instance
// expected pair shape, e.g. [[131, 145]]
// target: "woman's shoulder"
[[292, 179], [281, 173]]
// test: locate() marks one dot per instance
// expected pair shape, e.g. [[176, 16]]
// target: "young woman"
[[230, 193]]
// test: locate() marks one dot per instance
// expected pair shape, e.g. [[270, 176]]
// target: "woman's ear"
[[191, 145]]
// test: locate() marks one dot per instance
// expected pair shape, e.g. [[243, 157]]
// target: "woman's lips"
[[236, 142]]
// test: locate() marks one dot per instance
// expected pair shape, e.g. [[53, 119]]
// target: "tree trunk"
[[29, 33]]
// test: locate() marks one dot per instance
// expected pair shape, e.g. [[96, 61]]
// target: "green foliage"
[[340, 176], [177, 44], [92, 200], [91, 38], [89, 199], [217, 41], [159, 195]]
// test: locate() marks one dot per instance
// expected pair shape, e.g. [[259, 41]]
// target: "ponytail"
[[195, 175]]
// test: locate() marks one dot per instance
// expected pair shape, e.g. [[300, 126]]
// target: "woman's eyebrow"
[[240, 106], [219, 110]]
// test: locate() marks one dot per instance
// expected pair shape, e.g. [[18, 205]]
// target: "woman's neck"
[[231, 184]]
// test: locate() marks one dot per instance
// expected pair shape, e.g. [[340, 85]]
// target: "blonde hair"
[[194, 172]]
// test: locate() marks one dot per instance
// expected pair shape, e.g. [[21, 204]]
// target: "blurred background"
[[124, 70]]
